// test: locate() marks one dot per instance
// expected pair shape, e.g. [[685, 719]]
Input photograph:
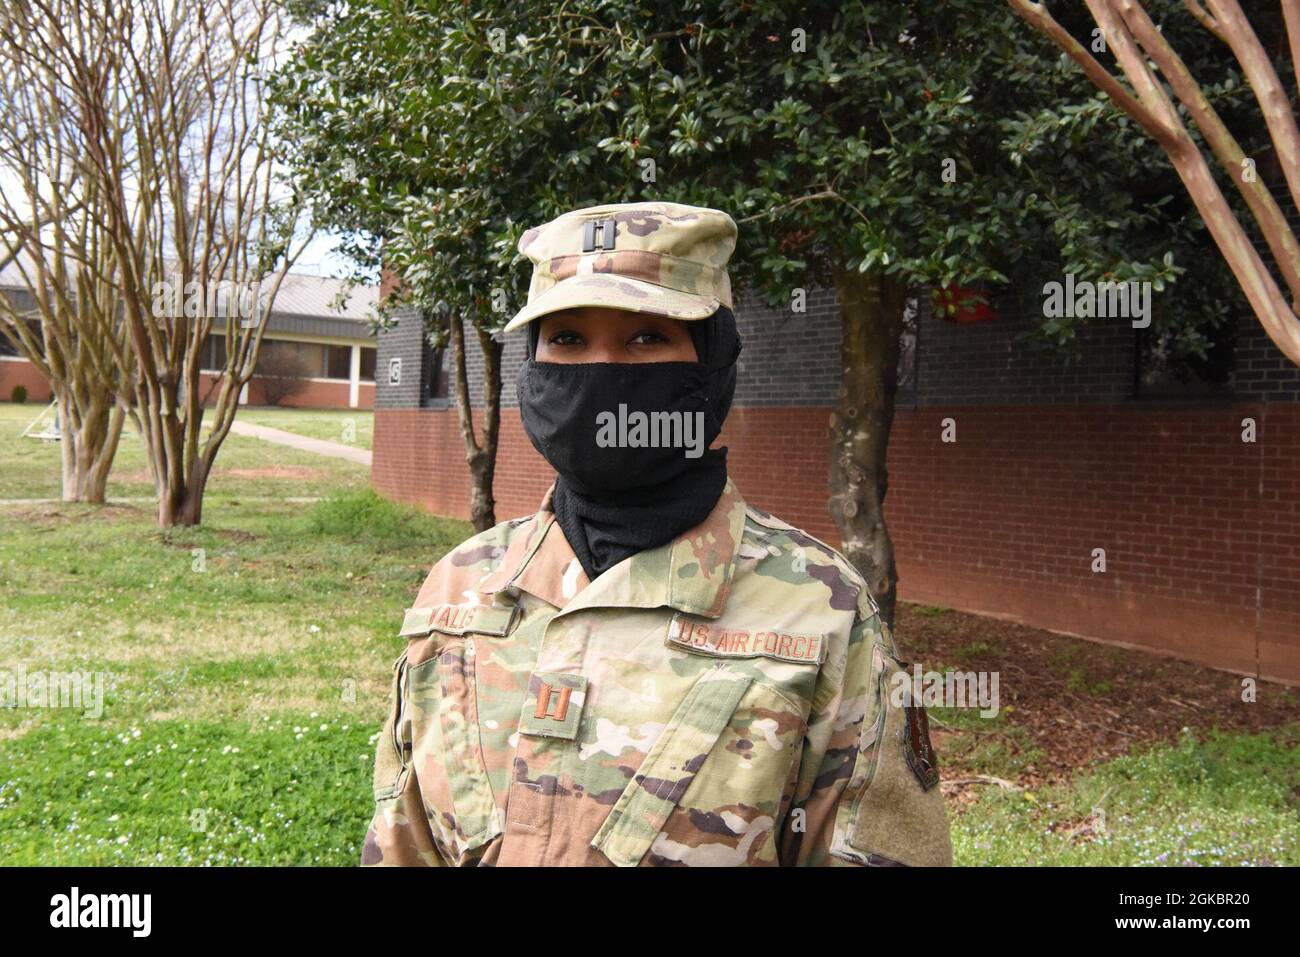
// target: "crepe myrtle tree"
[[132, 129], [873, 147], [149, 217], [53, 244], [69, 334], [1163, 93]]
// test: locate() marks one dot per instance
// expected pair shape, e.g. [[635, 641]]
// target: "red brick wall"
[[14, 371], [316, 395], [1201, 530]]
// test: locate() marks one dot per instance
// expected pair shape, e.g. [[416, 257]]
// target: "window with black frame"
[[7, 348], [213, 358], [338, 362], [433, 374], [1165, 369]]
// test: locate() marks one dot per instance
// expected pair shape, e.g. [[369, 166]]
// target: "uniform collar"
[[692, 573]]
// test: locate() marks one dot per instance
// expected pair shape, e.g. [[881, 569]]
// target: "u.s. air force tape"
[[710, 638]]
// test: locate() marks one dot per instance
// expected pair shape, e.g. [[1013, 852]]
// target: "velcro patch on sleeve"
[[917, 748], [710, 638], [459, 620]]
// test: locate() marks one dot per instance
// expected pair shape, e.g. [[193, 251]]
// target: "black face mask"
[[616, 493], [578, 414]]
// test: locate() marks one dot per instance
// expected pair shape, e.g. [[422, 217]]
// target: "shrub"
[[19, 394], [359, 514], [282, 373], [364, 515]]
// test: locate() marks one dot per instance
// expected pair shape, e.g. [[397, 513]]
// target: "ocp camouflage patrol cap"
[[664, 259]]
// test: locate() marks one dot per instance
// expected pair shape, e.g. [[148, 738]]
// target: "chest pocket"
[[711, 787], [442, 700]]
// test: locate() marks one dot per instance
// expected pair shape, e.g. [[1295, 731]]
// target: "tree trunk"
[[96, 486], [1150, 64], [482, 504], [170, 408], [89, 434], [180, 467], [181, 502], [872, 321], [190, 506], [481, 459]]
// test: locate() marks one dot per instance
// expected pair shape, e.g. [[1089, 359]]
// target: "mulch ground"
[[1080, 702]]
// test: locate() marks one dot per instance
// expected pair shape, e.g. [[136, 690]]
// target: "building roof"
[[305, 304], [303, 295]]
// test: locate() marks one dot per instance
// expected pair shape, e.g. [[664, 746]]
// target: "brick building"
[[1055, 456], [318, 331]]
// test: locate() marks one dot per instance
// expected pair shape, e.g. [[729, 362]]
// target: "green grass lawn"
[[246, 664], [245, 667], [245, 467], [1221, 799], [345, 426]]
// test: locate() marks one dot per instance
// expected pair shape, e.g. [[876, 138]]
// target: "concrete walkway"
[[319, 446]]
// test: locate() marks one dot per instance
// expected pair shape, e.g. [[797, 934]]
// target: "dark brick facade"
[[1055, 456], [784, 362], [405, 342], [1262, 373]]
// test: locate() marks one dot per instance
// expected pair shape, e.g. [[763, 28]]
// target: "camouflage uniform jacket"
[[722, 700]]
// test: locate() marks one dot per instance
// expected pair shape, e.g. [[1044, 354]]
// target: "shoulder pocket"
[[892, 811], [670, 766], [442, 704], [392, 754]]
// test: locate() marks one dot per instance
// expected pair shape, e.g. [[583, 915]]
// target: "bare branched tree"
[[62, 312], [165, 97], [1157, 76]]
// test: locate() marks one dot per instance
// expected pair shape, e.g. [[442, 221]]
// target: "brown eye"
[[566, 337], [648, 337]]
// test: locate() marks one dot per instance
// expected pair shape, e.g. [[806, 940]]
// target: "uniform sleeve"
[[868, 787], [399, 834]]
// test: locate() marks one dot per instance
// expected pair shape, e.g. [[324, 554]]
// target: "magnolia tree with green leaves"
[[877, 149], [430, 136]]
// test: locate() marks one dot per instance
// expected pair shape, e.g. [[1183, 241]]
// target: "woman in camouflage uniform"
[[648, 671]]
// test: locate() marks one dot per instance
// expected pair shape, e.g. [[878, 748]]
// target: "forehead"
[[603, 316]]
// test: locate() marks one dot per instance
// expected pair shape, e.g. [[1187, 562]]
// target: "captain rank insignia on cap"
[[605, 229], [655, 258]]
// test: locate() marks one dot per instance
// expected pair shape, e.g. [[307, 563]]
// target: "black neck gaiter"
[[603, 427]]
